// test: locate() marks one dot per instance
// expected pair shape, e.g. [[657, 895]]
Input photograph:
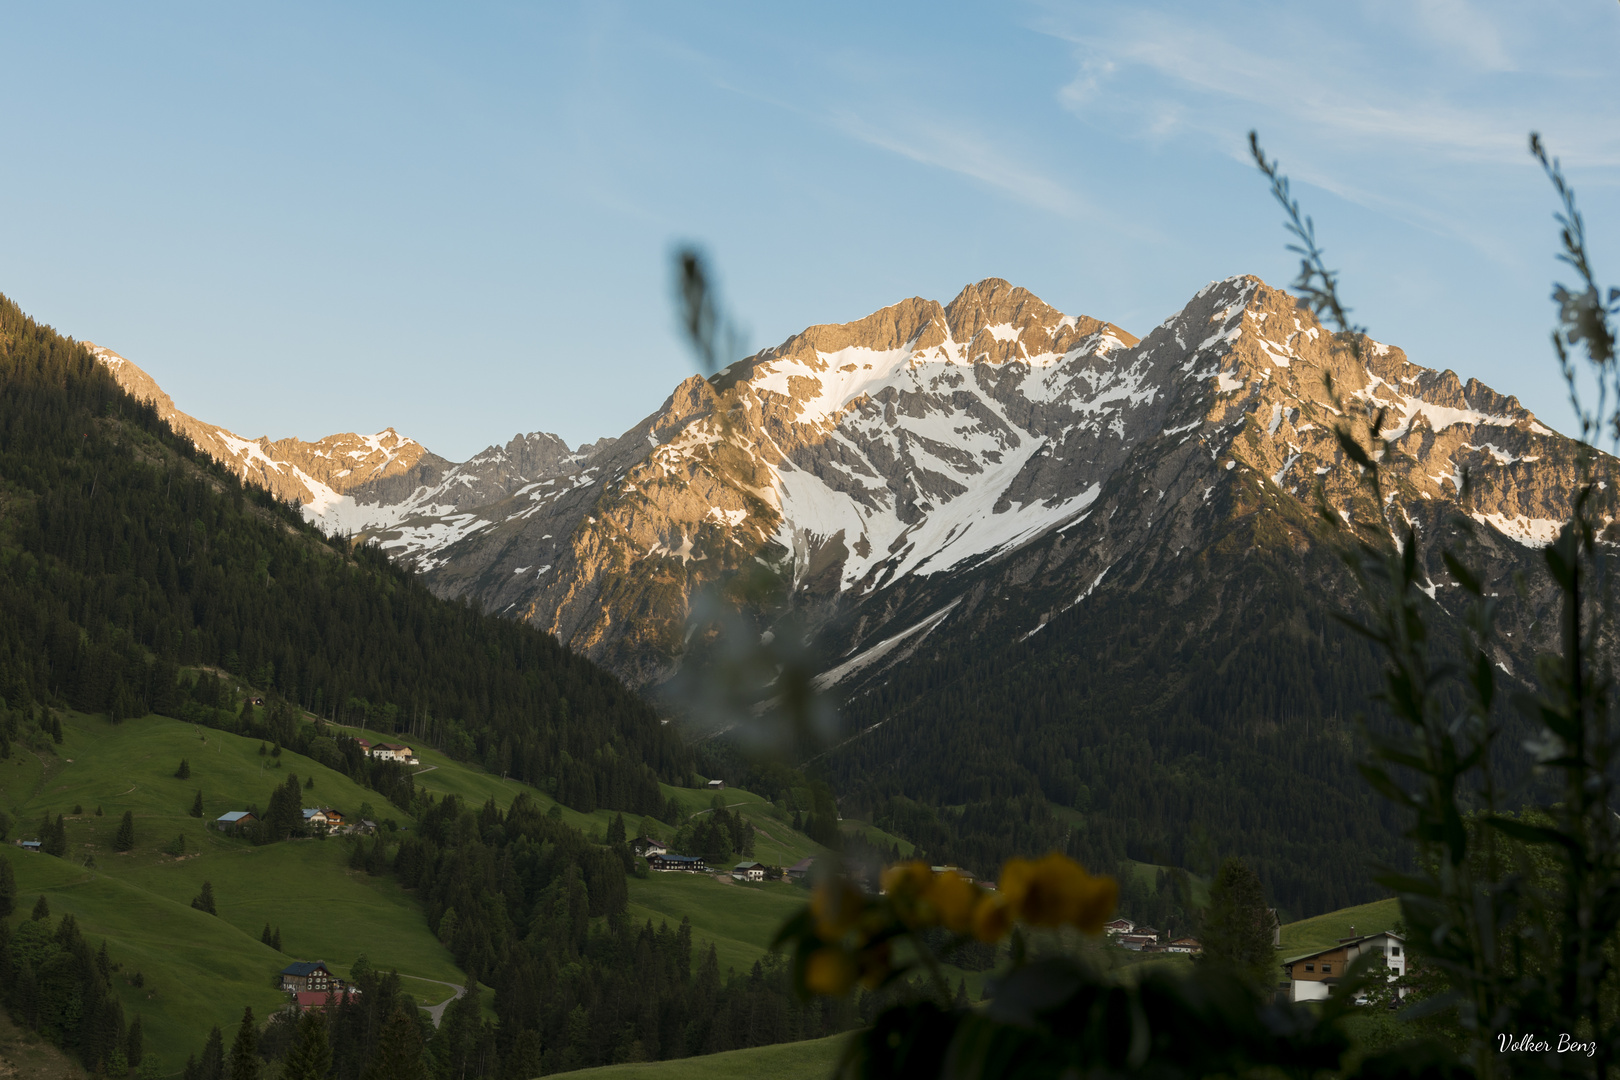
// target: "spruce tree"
[[204, 900], [197, 806], [8, 889], [42, 909], [134, 1044], [265, 937], [311, 1056], [1237, 928], [56, 731], [399, 1051], [125, 840], [244, 1059], [184, 771], [524, 1061], [212, 1065], [275, 940], [615, 832]]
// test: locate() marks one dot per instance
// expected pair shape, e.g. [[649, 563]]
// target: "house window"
[[1327, 969], [1310, 967], [1394, 950]]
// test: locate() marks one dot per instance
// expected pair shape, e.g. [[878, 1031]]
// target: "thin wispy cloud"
[[969, 154], [1223, 74]]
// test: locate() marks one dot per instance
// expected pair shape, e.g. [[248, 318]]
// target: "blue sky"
[[456, 219]]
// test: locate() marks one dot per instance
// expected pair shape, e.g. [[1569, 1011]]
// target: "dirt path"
[[436, 1012]]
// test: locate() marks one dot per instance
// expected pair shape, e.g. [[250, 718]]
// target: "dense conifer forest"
[[517, 896], [1120, 735], [125, 555]]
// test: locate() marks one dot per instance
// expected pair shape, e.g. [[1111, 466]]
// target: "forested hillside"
[[125, 553], [1153, 740]]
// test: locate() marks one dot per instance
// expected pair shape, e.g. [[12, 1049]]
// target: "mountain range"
[[878, 460], [972, 495]]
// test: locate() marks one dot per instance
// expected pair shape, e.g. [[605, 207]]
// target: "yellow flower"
[[907, 878], [992, 918], [836, 908], [829, 972], [1097, 906], [953, 898], [1056, 891]]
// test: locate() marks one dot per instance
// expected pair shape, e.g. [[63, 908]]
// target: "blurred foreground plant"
[[1054, 1015]]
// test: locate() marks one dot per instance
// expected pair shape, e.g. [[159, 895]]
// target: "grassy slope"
[[877, 836], [200, 970], [140, 901], [1321, 931], [785, 1061], [739, 918]]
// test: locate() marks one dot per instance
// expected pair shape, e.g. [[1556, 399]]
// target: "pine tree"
[[311, 1056], [42, 909], [134, 1044], [399, 1051], [212, 1065], [56, 730], [53, 836], [1237, 930], [8, 889], [125, 840], [275, 940], [265, 937], [184, 771], [197, 806], [204, 900], [244, 1059], [615, 832], [524, 1062]]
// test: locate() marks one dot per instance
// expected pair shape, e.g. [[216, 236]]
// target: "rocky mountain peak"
[[877, 460]]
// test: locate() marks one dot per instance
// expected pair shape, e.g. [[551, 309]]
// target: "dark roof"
[[305, 967], [1344, 944], [679, 858]]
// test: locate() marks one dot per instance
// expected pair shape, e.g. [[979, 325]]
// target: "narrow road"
[[436, 1012]]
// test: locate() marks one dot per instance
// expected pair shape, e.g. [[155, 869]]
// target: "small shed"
[[234, 820]]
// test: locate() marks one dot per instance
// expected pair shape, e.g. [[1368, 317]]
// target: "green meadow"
[[740, 918], [809, 1060], [197, 969], [1321, 931]]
